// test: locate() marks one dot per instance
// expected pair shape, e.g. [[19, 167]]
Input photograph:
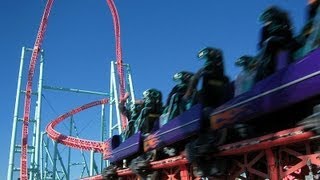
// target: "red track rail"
[[284, 137], [116, 24], [280, 138], [167, 163], [27, 102], [70, 141], [268, 141], [89, 145]]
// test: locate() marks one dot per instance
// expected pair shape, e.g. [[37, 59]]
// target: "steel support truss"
[[45, 157], [285, 155]]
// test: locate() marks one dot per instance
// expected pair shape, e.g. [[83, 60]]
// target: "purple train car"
[[279, 101]]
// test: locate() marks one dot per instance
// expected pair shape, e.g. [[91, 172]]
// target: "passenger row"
[[277, 48]]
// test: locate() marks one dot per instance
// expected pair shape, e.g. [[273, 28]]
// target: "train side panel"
[[179, 128], [286, 87]]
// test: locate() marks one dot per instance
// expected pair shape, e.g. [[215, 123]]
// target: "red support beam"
[[272, 140], [184, 173], [252, 151], [272, 166]]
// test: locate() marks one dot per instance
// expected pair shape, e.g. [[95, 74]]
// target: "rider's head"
[[152, 95], [274, 14], [244, 61], [182, 77], [210, 54]]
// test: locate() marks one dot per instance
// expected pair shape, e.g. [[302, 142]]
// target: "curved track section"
[[116, 24], [78, 143], [82, 143], [27, 102], [69, 141]]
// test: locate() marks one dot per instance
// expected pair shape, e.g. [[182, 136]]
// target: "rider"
[[215, 85], [174, 105], [131, 113], [151, 111], [246, 78], [215, 91], [276, 36], [146, 123], [276, 23]]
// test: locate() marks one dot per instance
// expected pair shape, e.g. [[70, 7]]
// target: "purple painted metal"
[[175, 130], [288, 86], [283, 59], [127, 148]]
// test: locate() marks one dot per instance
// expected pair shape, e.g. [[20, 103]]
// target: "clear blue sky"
[[159, 38]]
